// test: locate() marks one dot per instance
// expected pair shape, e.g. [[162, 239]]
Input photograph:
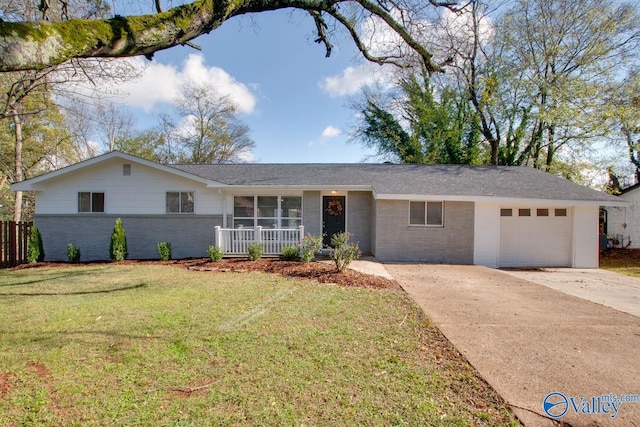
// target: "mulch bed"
[[322, 272], [319, 271]]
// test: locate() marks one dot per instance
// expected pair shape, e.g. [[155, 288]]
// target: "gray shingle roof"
[[404, 179]]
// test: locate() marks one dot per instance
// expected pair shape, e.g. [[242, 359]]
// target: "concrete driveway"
[[529, 340], [604, 287]]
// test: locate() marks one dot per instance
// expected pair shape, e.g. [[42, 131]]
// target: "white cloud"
[[355, 78], [160, 83], [331, 132], [328, 133]]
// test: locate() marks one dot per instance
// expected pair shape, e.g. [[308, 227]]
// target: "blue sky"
[[291, 96]]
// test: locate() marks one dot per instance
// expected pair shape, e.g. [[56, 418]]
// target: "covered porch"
[[236, 241]]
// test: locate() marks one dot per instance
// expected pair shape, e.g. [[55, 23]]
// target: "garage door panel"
[[531, 241]]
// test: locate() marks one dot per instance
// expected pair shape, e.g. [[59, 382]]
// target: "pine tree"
[[35, 249], [118, 246]]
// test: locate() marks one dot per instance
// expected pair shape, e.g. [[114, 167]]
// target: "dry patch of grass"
[[625, 261], [158, 345]]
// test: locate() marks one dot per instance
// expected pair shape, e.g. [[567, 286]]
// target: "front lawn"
[[160, 345]]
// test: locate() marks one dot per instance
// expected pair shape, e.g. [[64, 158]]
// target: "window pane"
[[524, 212], [173, 202], [291, 223], [542, 212], [97, 202], [434, 213], [242, 223], [186, 202], [416, 213], [506, 212], [267, 206], [561, 212], [268, 223], [243, 206], [84, 202], [291, 207]]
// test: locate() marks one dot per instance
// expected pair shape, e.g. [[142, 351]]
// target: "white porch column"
[[301, 234], [218, 231]]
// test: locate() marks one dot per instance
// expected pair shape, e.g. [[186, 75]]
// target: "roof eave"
[[500, 200], [35, 184]]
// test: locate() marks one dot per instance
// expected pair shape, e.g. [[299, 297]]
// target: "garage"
[[535, 237]]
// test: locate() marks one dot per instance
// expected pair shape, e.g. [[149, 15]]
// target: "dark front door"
[[333, 216]]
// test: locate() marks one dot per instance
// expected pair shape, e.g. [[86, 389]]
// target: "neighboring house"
[[622, 222], [493, 216]]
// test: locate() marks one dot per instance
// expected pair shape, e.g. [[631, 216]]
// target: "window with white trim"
[[90, 202], [180, 202], [426, 213], [267, 211]]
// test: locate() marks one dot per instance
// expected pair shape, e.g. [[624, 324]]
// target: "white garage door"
[[535, 237]]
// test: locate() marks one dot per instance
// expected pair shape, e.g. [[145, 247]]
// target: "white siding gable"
[[142, 192]]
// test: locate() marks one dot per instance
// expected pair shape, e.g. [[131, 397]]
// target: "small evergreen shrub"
[[290, 253], [343, 251], [118, 245], [164, 249], [35, 250], [309, 246], [73, 253], [215, 253], [254, 250]]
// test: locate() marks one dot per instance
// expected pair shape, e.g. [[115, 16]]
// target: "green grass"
[[159, 345]]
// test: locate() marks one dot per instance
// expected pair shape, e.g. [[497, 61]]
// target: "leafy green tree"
[[417, 127]]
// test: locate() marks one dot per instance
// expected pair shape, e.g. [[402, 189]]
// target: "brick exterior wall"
[[395, 240], [359, 221], [189, 235]]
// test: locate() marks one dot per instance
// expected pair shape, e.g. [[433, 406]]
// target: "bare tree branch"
[[321, 27]]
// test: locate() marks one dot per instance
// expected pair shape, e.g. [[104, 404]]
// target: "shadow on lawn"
[[95, 291], [57, 276]]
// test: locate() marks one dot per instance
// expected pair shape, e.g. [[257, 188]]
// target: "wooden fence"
[[14, 237]]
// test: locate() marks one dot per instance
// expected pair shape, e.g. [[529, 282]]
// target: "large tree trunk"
[[18, 174]]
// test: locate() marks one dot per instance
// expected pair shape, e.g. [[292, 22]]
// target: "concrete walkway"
[[529, 340]]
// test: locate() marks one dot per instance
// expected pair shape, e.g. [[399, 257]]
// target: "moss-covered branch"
[[38, 45]]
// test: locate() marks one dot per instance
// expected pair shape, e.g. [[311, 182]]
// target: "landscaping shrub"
[[164, 249], [309, 246], [73, 253], [35, 250], [255, 251], [343, 251], [215, 253], [118, 245], [290, 253]]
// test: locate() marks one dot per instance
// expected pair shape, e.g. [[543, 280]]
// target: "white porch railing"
[[235, 241]]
